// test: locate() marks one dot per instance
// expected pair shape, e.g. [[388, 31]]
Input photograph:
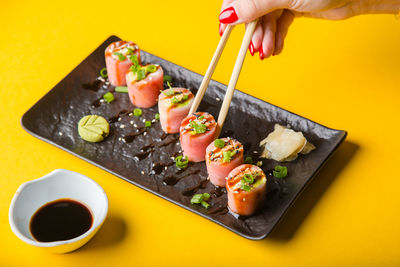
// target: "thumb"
[[244, 11]]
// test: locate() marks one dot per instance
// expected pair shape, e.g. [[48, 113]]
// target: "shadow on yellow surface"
[[110, 234], [296, 215]]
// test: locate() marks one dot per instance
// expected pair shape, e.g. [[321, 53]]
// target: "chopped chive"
[[206, 196], [140, 74], [259, 163], [147, 124], [245, 187], [201, 118], [181, 164], [121, 57], [169, 85], [109, 97], [219, 143], [130, 51], [169, 92], [185, 97], [151, 68], [175, 100], [198, 127], [280, 171], [196, 199], [137, 112], [248, 178], [157, 116], [103, 73], [167, 78], [248, 160], [205, 204], [121, 89]]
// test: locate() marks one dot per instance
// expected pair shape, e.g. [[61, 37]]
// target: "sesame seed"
[[144, 120], [153, 121], [122, 126], [218, 99], [144, 133], [102, 100], [173, 158], [119, 139], [165, 168], [154, 164], [119, 119], [130, 114], [142, 172], [131, 122], [60, 133], [135, 125]]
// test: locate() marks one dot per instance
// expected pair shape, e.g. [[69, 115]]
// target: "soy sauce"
[[61, 219]]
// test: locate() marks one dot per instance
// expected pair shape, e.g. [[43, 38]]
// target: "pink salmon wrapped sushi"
[[174, 105], [222, 156], [118, 60], [197, 131], [144, 84], [246, 186]]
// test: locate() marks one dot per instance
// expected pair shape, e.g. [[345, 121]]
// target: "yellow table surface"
[[343, 74]]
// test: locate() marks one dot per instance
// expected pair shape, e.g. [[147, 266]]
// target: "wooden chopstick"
[[235, 76], [210, 70]]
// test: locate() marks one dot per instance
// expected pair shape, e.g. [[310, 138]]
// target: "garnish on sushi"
[[284, 144], [118, 61], [246, 188], [196, 132], [222, 156], [174, 105], [144, 83]]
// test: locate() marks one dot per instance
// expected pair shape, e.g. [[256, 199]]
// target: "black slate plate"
[[54, 119]]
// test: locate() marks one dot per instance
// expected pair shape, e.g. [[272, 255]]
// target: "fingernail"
[[228, 16], [251, 48], [220, 30], [261, 53]]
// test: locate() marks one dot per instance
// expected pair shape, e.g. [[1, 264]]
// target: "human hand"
[[277, 15]]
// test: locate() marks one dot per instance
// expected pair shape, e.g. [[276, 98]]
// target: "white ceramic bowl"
[[58, 184]]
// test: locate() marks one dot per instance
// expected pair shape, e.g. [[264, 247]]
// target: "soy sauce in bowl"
[[62, 219]]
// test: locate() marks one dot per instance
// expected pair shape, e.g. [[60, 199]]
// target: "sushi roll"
[[118, 60], [222, 156], [197, 131], [173, 106], [246, 186], [144, 83]]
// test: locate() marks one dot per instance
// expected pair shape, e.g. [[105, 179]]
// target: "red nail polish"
[[228, 16], [220, 30], [251, 48], [261, 53]]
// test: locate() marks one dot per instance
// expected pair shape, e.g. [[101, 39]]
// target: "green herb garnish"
[[219, 143], [280, 171], [248, 178], [103, 73], [167, 78], [245, 187], [205, 204], [175, 100], [121, 89], [200, 118], [151, 68], [109, 97], [185, 97], [140, 71], [157, 116], [120, 56], [147, 124], [168, 92], [201, 199], [169, 85], [248, 160], [137, 112], [130, 51], [198, 127], [181, 164]]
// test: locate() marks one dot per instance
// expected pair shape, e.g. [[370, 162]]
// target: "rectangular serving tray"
[[141, 161]]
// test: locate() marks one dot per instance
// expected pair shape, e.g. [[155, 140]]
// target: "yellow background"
[[344, 75]]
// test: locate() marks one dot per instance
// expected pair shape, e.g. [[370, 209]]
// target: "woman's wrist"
[[382, 6]]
